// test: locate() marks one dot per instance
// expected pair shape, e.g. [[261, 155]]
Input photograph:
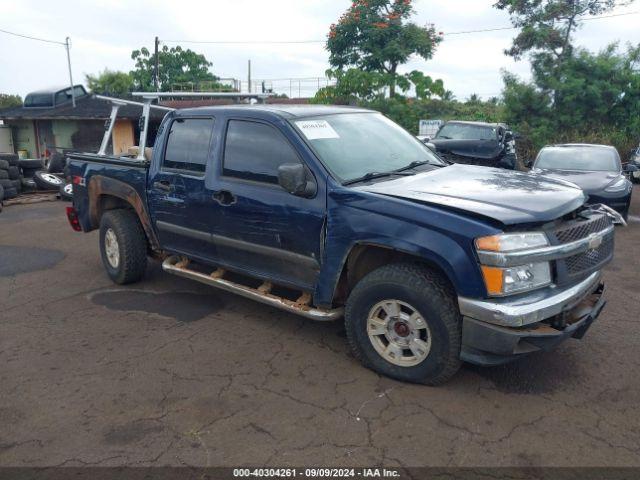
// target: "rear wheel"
[[123, 246], [402, 321]]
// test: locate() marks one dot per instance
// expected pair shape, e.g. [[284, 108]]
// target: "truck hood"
[[485, 149], [506, 196]]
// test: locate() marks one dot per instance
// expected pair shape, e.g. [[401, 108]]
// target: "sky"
[[104, 32]]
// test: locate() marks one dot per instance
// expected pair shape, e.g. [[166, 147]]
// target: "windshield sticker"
[[317, 129]]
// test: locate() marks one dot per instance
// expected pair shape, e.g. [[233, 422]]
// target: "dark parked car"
[[328, 212], [596, 169], [476, 143], [634, 160]]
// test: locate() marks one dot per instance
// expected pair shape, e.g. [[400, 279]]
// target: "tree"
[[597, 100], [109, 82], [546, 32], [375, 36], [547, 25], [7, 100], [175, 66]]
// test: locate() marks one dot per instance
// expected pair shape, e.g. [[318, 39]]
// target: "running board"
[[179, 266]]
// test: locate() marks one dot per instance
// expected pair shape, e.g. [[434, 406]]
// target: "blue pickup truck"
[[337, 212]]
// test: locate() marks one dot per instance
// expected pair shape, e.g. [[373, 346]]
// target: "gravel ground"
[[170, 372]]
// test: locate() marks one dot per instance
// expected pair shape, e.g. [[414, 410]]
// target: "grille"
[[577, 267], [590, 260], [581, 229]]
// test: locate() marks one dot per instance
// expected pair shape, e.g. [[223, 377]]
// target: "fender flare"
[[104, 186]]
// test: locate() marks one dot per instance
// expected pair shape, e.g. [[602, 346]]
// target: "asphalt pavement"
[[171, 372]]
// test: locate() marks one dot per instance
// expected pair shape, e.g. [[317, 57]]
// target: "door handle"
[[163, 185], [224, 197]]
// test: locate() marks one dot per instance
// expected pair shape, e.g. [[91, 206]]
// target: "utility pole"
[[67, 45], [249, 76], [156, 80]]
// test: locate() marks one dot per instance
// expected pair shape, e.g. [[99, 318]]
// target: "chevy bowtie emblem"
[[595, 243]]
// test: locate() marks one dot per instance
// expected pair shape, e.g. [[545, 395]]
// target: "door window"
[[188, 145], [254, 151]]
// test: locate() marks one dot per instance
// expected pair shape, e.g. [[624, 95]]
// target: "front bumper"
[[494, 333]]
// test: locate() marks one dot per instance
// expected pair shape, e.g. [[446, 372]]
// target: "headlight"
[[619, 186], [512, 242], [507, 281], [518, 279]]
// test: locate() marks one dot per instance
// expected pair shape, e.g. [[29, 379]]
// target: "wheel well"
[[110, 202], [364, 259]]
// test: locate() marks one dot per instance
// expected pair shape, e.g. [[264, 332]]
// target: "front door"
[[262, 228], [178, 199]]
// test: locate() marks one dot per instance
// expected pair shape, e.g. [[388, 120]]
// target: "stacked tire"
[[28, 175], [9, 176]]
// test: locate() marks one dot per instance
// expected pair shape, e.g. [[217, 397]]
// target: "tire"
[[10, 193], [33, 163], [4, 165], [12, 158], [28, 184], [47, 181], [123, 228], [66, 192], [17, 184], [416, 289], [6, 183], [1, 194], [14, 173], [29, 172], [57, 163], [4, 175]]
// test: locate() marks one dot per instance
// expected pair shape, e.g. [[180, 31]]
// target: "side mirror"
[[295, 179]]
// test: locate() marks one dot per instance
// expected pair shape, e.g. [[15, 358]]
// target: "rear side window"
[[254, 151], [188, 145]]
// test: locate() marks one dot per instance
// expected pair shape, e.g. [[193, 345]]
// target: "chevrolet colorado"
[[332, 212]]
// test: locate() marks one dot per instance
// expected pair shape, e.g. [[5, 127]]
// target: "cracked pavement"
[[171, 372]]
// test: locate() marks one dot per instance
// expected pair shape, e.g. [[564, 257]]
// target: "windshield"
[[599, 159], [353, 145], [462, 131]]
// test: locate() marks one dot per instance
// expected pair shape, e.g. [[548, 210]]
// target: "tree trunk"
[[392, 84]]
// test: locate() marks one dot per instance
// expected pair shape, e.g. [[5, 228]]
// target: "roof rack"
[[146, 104]]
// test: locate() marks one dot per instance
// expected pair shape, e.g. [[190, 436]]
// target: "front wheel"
[[123, 246], [403, 322]]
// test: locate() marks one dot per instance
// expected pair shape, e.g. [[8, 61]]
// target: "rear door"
[[177, 196], [262, 228]]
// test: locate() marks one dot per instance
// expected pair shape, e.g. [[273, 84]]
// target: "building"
[[47, 123]]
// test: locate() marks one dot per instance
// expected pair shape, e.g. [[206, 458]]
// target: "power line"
[[245, 42], [32, 38], [298, 42], [302, 42]]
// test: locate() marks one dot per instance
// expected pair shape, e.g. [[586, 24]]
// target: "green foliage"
[[409, 112], [546, 26], [595, 97], [109, 82], [375, 36], [7, 100], [354, 85], [175, 66]]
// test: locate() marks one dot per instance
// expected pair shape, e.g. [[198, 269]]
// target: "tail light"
[[72, 215]]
